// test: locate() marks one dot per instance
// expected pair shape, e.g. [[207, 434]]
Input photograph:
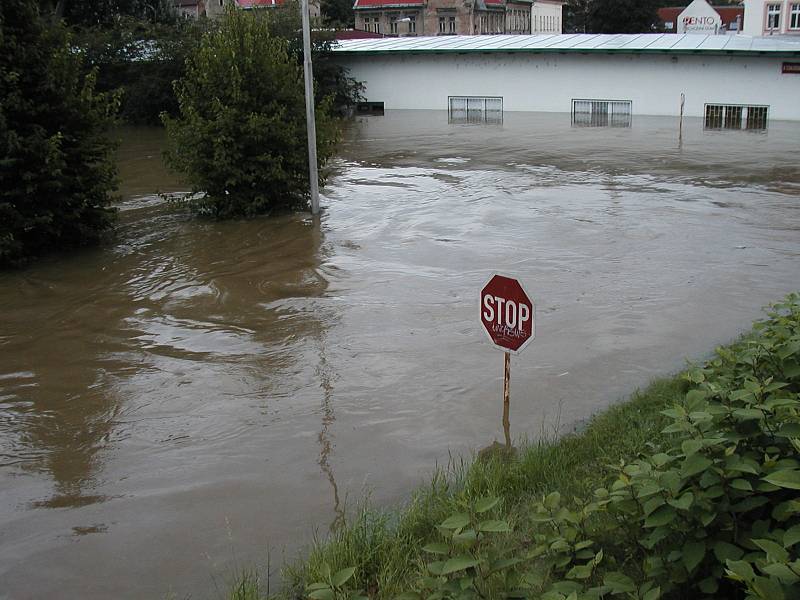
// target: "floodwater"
[[195, 395]]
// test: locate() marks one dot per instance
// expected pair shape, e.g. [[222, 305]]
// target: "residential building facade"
[[215, 8], [771, 17], [457, 17]]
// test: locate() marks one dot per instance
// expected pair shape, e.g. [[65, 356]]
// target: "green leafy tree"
[[241, 133], [56, 166], [621, 16], [141, 59], [338, 13], [330, 78]]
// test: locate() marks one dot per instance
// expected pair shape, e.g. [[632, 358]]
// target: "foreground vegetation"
[[688, 490], [57, 173]]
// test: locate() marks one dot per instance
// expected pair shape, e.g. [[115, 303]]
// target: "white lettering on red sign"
[[516, 315]]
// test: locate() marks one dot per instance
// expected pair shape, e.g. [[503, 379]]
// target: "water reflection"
[[186, 308]]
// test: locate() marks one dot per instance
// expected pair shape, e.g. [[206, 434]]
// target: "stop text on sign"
[[513, 316], [507, 313]]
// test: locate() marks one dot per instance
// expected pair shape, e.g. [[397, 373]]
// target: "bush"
[[241, 133], [56, 166]]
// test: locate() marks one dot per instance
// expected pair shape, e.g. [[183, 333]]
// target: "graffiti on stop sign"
[[507, 313]]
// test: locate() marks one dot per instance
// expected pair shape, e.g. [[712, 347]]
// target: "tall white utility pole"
[[311, 124]]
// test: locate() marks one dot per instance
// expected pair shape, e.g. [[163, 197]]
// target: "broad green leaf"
[[552, 500], [682, 503], [694, 465], [740, 570], [773, 550], [748, 414], [322, 594], [580, 572], [741, 484], [317, 585], [408, 596], [459, 563], [435, 567], [789, 478], [619, 582], [494, 526], [504, 564], [725, 551], [709, 585], [455, 521], [343, 576], [436, 548], [693, 554], [791, 536], [653, 594], [484, 504], [782, 572], [661, 516], [768, 588], [467, 537], [689, 447]]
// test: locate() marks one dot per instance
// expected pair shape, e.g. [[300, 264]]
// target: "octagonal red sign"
[[507, 313]]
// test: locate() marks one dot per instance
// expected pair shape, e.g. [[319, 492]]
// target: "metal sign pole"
[[311, 124], [507, 397]]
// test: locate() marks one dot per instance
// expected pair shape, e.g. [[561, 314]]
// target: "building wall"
[[756, 19], [546, 17], [549, 82], [460, 17]]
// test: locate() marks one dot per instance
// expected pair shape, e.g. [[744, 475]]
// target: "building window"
[[794, 16], [451, 24], [393, 24], [412, 24], [773, 16], [442, 25], [601, 113], [735, 116], [474, 109]]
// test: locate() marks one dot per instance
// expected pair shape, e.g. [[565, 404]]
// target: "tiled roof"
[[644, 43], [387, 3]]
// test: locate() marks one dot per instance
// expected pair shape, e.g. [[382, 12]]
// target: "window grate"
[[735, 116], [601, 113], [474, 109]]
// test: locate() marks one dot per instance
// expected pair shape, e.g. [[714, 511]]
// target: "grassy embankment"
[[710, 507]]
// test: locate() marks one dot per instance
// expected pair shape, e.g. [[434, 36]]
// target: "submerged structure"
[[736, 81]]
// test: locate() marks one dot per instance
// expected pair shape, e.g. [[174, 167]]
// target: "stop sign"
[[507, 313]]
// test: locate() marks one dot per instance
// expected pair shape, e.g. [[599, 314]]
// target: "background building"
[[701, 17], [457, 17], [599, 78], [771, 17]]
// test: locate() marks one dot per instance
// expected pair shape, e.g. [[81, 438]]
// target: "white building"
[[699, 17], [733, 77], [771, 17]]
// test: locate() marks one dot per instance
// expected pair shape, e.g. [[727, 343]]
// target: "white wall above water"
[[549, 81]]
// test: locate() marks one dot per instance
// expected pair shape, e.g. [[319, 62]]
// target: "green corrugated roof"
[[645, 43]]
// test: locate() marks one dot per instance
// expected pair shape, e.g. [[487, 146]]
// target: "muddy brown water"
[[177, 403]]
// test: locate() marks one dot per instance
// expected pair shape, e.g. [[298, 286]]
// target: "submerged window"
[[474, 109], [735, 116], [601, 113]]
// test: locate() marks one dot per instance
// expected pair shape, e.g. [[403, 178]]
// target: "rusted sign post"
[[507, 315]]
